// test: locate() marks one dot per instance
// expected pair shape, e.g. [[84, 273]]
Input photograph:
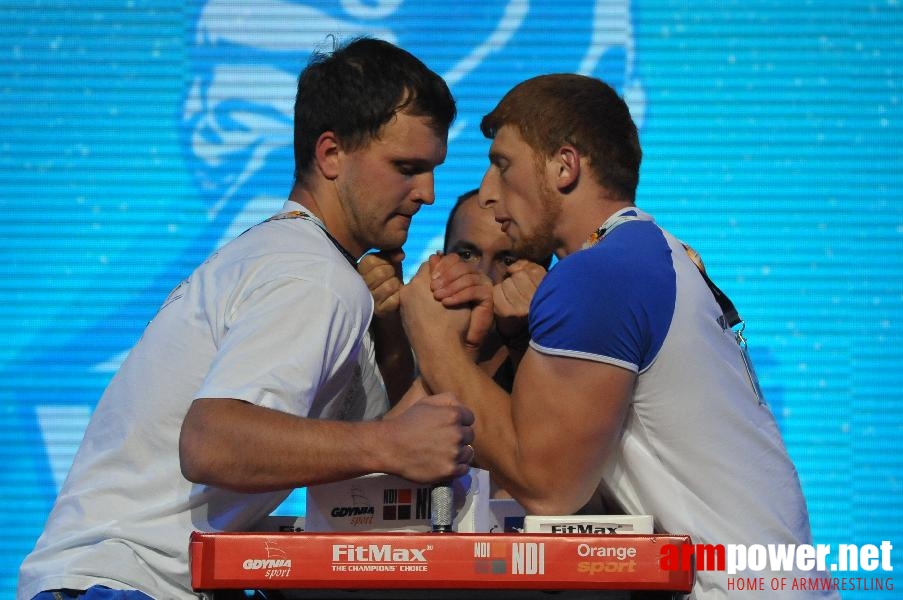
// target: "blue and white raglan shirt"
[[700, 451]]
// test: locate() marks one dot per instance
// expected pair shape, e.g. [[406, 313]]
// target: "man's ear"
[[327, 153], [567, 164]]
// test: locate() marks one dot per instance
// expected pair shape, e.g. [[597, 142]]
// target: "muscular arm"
[[382, 274], [393, 355], [243, 447], [547, 442]]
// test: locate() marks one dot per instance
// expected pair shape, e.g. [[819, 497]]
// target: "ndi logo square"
[[397, 504], [404, 504], [490, 558]]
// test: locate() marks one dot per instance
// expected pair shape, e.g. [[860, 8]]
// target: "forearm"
[[242, 447], [546, 443], [509, 439], [414, 393], [499, 445], [393, 355]]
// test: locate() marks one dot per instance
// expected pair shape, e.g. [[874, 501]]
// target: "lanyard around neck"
[[300, 214], [731, 316], [613, 222]]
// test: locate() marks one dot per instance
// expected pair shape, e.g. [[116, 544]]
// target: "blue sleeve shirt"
[[610, 303]]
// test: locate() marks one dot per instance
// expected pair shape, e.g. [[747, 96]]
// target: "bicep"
[[568, 413]]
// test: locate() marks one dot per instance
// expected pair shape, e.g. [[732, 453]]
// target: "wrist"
[[376, 454], [441, 368]]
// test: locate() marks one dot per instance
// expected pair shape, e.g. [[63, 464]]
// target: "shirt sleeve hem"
[[585, 356]]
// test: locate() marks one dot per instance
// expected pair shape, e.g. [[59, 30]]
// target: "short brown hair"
[[358, 88], [551, 110]]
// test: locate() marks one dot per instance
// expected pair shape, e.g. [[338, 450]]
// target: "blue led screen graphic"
[[139, 136]]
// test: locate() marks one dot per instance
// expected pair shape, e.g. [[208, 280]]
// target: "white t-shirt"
[[277, 317], [700, 450]]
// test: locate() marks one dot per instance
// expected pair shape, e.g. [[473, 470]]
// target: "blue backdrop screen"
[[139, 136]]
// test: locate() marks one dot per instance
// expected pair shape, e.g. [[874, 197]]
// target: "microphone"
[[442, 507]]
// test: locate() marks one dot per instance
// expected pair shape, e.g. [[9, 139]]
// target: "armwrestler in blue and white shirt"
[[633, 389]]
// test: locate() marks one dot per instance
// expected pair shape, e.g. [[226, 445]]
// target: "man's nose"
[[425, 188], [488, 190]]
